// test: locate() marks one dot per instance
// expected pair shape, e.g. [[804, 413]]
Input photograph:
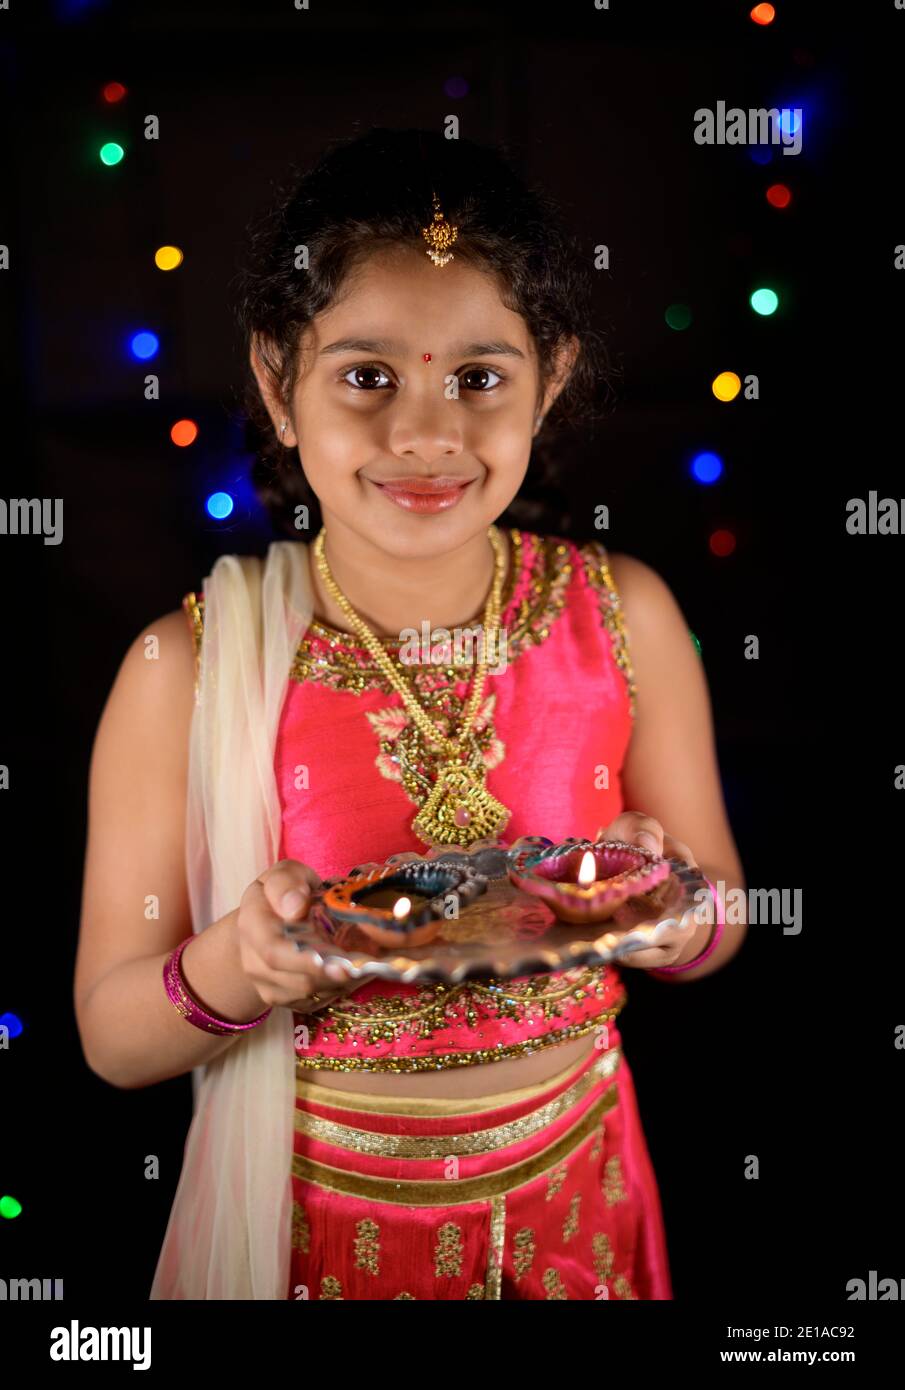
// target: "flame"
[[402, 907], [587, 870]]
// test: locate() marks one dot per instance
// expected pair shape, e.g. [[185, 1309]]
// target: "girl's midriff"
[[482, 1080]]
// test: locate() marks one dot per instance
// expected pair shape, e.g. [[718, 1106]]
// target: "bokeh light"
[[778, 196], [706, 467], [722, 543], [763, 14], [219, 505], [167, 257], [111, 153], [678, 316], [726, 386], [144, 345], [184, 433], [764, 301], [12, 1024], [455, 87], [9, 1207], [114, 92]]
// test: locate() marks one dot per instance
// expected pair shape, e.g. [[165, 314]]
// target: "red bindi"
[[427, 357]]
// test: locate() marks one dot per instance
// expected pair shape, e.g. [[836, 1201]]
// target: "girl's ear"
[[264, 363], [564, 360]]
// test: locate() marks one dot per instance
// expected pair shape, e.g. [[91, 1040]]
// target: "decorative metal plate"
[[504, 933]]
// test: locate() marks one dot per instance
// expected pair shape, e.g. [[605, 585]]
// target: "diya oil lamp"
[[584, 882], [402, 904]]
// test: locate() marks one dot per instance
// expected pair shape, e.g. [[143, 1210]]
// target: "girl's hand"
[[282, 974], [637, 829]]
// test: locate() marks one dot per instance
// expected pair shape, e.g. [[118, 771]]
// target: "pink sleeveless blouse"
[[553, 728]]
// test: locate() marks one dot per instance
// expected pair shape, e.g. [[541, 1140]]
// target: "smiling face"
[[415, 456]]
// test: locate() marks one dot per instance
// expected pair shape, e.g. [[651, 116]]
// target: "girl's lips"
[[424, 494]]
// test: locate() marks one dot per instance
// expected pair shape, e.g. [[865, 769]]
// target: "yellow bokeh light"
[[167, 257], [726, 386]]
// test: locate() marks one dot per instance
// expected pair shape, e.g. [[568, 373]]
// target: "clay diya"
[[402, 904], [584, 882]]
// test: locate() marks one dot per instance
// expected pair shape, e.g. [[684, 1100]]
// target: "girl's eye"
[[481, 386], [364, 378]]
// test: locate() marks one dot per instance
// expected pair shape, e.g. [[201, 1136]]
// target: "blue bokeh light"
[[706, 467], [219, 505], [144, 345]]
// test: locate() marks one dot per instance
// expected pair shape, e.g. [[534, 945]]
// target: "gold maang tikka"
[[439, 236]]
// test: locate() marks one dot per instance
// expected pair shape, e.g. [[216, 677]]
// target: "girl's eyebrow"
[[388, 345]]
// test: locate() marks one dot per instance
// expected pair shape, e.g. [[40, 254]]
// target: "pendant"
[[459, 809]]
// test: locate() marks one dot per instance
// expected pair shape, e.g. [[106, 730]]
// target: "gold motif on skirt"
[[570, 1225], [523, 1243], [603, 1256], [367, 1246], [555, 1180], [622, 1288], [475, 1291], [553, 1284], [404, 1295], [448, 1251], [331, 1287], [597, 1147], [613, 1185], [301, 1232]]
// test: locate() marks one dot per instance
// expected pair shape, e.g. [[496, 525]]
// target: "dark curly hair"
[[376, 189]]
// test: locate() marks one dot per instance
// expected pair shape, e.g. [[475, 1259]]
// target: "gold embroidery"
[[367, 1246], [598, 572], [404, 1295], [603, 1256], [556, 1180], [405, 755], [331, 1287], [449, 1192], [613, 1185], [301, 1233], [622, 1288], [523, 1251], [194, 609], [494, 1276], [597, 1147], [475, 1291], [434, 1008], [334, 658], [480, 1141], [553, 1284], [448, 1251], [570, 1225]]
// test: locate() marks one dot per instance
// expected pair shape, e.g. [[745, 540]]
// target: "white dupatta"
[[228, 1235]]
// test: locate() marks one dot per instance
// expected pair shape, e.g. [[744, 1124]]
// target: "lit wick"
[[401, 908], [587, 870]]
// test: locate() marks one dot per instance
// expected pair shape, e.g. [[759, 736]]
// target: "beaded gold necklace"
[[458, 808]]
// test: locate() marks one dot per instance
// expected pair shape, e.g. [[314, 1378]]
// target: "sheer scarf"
[[229, 1231]]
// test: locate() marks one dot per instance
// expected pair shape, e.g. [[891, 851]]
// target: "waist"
[[432, 1028], [425, 1152]]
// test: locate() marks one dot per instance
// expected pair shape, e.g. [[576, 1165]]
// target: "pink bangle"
[[711, 944], [189, 1008]]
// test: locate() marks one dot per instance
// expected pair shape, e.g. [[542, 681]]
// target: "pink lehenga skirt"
[[542, 1193]]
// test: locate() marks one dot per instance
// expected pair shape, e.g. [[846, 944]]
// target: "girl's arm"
[[135, 905], [671, 771]]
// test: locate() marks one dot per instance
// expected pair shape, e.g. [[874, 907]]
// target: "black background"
[[789, 1052]]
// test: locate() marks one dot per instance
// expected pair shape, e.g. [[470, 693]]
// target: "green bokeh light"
[[764, 301], [111, 153], [678, 316], [9, 1207]]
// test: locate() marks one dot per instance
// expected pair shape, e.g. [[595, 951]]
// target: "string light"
[[167, 257], [726, 386], [184, 433], [219, 505], [144, 345]]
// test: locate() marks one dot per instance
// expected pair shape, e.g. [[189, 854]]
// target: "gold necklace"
[[459, 809]]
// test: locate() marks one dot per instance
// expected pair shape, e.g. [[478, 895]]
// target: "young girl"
[[414, 317]]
